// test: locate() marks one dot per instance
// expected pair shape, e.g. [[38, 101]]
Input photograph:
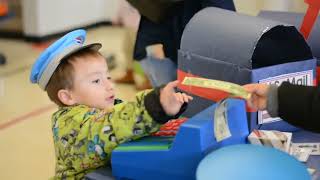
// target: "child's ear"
[[65, 97]]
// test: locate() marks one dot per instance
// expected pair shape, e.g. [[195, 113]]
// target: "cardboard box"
[[215, 45]]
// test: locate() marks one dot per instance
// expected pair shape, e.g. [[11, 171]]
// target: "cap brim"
[[93, 46]]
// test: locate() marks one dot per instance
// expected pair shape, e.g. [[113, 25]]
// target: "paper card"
[[275, 139]]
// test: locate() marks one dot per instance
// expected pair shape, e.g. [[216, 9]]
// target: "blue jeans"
[[159, 71]]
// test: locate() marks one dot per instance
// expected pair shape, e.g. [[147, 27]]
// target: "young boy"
[[90, 122]]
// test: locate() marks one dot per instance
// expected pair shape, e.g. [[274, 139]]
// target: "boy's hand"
[[172, 101], [258, 100]]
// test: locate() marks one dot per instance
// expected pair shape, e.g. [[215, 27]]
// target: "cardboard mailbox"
[[223, 45], [295, 19]]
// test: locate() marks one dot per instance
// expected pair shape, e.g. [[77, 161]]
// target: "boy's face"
[[92, 83]]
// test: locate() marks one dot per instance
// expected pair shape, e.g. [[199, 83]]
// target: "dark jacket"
[[300, 106], [155, 10], [168, 31]]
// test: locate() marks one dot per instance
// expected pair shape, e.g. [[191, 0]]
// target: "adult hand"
[[259, 93]]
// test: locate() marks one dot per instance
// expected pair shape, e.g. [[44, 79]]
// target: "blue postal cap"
[[50, 59]]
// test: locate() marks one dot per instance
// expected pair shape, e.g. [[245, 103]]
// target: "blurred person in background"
[[130, 71], [160, 29]]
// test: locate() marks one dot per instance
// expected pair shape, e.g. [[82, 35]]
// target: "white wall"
[[45, 17], [298, 6], [285, 5], [253, 7]]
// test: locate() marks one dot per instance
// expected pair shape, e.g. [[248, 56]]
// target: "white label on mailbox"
[[300, 78]]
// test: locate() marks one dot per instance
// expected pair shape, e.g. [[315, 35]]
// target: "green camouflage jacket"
[[84, 137]]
